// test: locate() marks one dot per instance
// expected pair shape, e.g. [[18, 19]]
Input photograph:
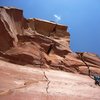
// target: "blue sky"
[[82, 17]]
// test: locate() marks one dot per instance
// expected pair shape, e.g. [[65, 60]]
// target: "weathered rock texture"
[[41, 44], [25, 83]]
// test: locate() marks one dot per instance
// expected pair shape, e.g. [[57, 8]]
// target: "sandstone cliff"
[[38, 43]]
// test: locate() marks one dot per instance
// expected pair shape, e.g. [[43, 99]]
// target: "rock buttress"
[[11, 24]]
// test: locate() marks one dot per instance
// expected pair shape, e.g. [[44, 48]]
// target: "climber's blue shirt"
[[97, 78]]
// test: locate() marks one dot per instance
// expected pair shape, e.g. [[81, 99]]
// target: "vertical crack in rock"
[[48, 81], [50, 48], [82, 58], [52, 30]]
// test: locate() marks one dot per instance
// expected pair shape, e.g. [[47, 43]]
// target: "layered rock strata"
[[39, 43]]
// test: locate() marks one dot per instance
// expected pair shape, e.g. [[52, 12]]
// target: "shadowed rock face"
[[37, 42]]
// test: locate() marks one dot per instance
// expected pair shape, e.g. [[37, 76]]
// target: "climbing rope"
[[95, 77]]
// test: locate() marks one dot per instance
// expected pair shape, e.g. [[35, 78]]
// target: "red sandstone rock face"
[[25, 83], [41, 44]]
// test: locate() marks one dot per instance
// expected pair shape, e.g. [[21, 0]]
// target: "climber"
[[94, 77], [97, 80]]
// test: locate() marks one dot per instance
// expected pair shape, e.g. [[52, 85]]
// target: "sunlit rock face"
[[30, 48], [36, 42], [22, 82]]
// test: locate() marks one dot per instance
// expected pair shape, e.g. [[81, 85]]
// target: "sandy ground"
[[26, 83]]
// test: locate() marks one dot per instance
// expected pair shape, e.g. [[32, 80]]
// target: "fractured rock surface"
[[35, 43], [24, 83], [39, 42]]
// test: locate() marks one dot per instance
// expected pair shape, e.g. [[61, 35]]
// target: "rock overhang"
[[34, 37]]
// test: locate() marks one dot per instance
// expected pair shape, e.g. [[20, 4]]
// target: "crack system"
[[48, 81], [82, 58], [10, 91]]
